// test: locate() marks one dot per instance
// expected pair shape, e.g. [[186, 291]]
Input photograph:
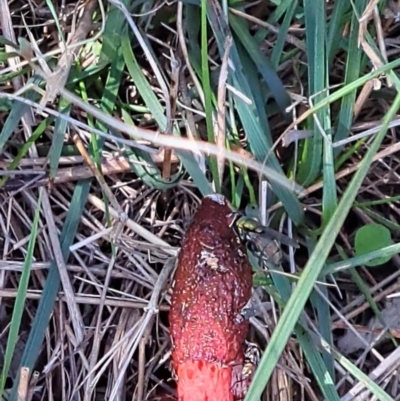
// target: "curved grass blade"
[[280, 11], [346, 264], [323, 376]]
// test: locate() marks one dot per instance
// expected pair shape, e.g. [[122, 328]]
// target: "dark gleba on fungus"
[[211, 286]]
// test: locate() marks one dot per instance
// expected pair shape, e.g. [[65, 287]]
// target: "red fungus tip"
[[212, 284]]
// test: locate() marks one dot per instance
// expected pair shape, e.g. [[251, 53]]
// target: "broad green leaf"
[[372, 237]]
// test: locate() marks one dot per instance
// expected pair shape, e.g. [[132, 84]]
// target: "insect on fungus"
[[263, 241]]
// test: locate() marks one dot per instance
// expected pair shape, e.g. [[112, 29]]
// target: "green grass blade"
[[362, 259], [116, 22], [329, 195], [17, 112], [52, 284], [337, 95], [275, 85], [19, 304], [353, 65], [315, 23], [208, 95], [280, 11], [283, 31], [57, 143], [337, 22], [324, 324], [323, 376], [54, 14]]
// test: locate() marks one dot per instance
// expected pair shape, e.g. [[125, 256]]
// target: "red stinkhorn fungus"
[[211, 286]]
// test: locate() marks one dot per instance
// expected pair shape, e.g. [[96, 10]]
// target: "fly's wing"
[[281, 238], [266, 247]]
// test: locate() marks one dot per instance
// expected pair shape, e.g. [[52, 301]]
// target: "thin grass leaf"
[[339, 18], [391, 225], [27, 145], [116, 23], [192, 26], [361, 260], [18, 111], [57, 143], [370, 384], [315, 24], [386, 68], [205, 77], [313, 269], [54, 14], [280, 42], [322, 375], [275, 85], [19, 305], [46, 304], [280, 11], [324, 323], [329, 195], [353, 66]]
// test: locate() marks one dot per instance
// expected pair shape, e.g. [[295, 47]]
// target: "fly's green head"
[[248, 224], [243, 225]]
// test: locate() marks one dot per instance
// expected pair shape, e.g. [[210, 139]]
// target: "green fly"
[[261, 240]]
